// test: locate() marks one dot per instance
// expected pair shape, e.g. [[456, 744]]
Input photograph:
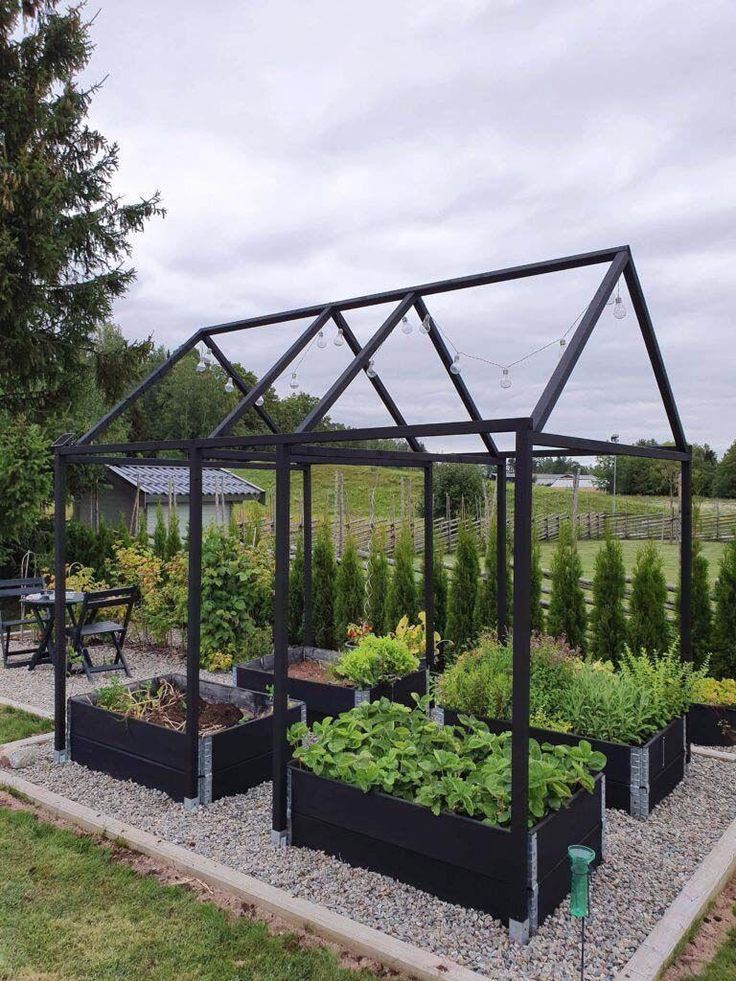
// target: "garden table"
[[42, 605]]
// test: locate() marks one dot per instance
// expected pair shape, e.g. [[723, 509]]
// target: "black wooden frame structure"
[[305, 447]]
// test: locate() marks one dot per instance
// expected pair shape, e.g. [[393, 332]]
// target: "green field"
[[15, 724], [69, 910]]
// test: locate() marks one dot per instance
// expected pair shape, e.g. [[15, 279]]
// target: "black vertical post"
[[308, 630], [520, 692], [686, 559], [501, 584], [279, 834], [428, 566], [191, 798], [60, 750]]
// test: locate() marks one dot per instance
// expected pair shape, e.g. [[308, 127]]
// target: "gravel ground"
[[37, 687], [647, 865]]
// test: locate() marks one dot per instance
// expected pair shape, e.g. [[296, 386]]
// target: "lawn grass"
[[723, 965], [69, 910], [16, 724]]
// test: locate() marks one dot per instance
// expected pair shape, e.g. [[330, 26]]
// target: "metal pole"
[[501, 584], [60, 747], [614, 439], [428, 566], [520, 691], [308, 629], [686, 560], [279, 833], [191, 794]]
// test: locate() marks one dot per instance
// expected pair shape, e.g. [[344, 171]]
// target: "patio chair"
[[15, 590], [119, 603]]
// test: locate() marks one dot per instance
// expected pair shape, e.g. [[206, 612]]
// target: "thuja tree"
[[535, 588], [608, 619], [160, 533], [701, 613], [349, 591], [566, 616], [173, 535], [323, 588], [649, 630], [377, 585], [403, 599], [723, 663], [296, 593], [439, 587], [462, 622], [488, 591]]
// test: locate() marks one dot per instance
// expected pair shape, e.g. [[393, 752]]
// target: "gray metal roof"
[[159, 480]]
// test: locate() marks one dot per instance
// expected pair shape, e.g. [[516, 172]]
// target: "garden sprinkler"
[[581, 858]]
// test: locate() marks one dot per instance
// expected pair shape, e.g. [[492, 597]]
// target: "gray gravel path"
[[647, 865]]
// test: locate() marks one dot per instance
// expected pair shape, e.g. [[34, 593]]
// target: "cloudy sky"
[[313, 151]]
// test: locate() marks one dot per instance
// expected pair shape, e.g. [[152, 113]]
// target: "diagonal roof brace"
[[233, 373]]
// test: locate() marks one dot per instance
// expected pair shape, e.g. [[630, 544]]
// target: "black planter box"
[[325, 699], [230, 761], [458, 859], [637, 777], [711, 725]]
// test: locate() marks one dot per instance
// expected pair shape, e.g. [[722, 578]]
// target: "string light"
[[259, 400], [455, 367], [202, 363], [321, 340], [406, 325], [563, 345], [505, 378], [426, 325], [229, 386], [294, 382], [339, 338], [370, 369]]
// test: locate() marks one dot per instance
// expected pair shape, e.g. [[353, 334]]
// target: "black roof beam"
[[605, 448], [238, 381]]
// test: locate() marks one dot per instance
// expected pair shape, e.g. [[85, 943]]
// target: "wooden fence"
[[711, 526]]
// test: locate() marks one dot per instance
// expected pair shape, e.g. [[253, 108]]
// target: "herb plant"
[[464, 769], [710, 691]]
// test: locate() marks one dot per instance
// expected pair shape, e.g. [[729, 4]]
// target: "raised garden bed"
[[456, 858], [637, 777], [231, 760], [711, 725], [324, 697]]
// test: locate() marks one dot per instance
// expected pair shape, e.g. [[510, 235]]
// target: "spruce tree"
[[488, 592], [462, 624], [535, 589], [701, 612], [160, 533], [377, 585], [296, 593], [649, 630], [566, 616], [723, 661], [403, 596], [608, 618], [173, 537], [349, 591], [323, 588], [439, 585]]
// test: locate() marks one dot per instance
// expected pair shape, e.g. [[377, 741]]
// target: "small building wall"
[[115, 500]]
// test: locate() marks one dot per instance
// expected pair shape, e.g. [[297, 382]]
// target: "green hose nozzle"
[[581, 858]]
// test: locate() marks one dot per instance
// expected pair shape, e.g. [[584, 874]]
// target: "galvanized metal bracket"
[[639, 784], [191, 803], [61, 756], [205, 770]]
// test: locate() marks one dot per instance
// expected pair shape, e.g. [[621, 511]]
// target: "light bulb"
[[321, 340], [505, 378], [229, 386], [619, 310], [426, 325], [455, 366], [563, 345], [609, 301], [339, 338], [370, 370], [406, 327], [259, 400], [294, 383], [201, 366]]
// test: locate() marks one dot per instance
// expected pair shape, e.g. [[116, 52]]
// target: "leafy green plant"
[[375, 660], [465, 769], [710, 691]]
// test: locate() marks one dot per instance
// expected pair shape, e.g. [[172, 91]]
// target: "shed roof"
[[160, 480]]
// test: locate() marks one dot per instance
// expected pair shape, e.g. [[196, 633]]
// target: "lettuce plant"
[[375, 660]]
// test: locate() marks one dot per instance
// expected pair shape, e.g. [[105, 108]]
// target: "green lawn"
[[15, 724], [68, 910], [723, 965]]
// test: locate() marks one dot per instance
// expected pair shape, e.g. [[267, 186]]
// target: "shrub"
[[160, 533], [349, 590], [403, 595], [462, 483], [376, 659], [648, 628], [723, 662], [462, 625], [701, 613], [296, 593], [607, 618], [566, 616], [377, 585], [710, 691], [173, 537], [462, 769], [323, 588], [414, 635]]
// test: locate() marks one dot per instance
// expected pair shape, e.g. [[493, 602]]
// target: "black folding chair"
[[14, 590], [89, 626]]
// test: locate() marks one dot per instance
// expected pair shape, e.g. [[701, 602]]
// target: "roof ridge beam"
[[359, 362], [457, 380], [556, 384], [265, 382]]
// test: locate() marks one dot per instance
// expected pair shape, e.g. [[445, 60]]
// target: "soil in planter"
[[309, 670]]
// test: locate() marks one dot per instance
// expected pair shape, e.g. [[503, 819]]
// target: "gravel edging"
[[647, 865]]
